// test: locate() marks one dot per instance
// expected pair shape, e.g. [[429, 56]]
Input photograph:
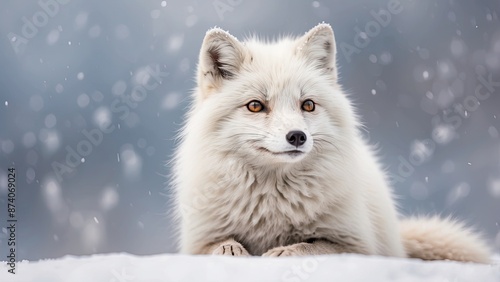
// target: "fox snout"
[[296, 138]]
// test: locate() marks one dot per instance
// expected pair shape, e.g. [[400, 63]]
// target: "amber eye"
[[255, 106], [308, 106]]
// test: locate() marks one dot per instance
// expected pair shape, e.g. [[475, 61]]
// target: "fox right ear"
[[318, 47], [220, 59]]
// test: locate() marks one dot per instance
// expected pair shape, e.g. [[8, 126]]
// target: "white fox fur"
[[242, 189]]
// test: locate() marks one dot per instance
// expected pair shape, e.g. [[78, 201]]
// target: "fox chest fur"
[[270, 209], [263, 209]]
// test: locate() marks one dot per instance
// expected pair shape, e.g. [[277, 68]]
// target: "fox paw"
[[231, 249], [300, 249]]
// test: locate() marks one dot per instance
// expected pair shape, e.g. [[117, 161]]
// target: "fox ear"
[[220, 59], [318, 47]]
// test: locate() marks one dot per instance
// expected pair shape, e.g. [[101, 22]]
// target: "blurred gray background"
[[93, 92]]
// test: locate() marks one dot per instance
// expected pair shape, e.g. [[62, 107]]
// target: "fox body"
[[271, 162]]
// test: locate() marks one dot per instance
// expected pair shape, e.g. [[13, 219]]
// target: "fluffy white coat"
[[242, 189]]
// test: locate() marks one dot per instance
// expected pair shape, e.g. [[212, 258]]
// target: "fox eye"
[[308, 106], [255, 106]]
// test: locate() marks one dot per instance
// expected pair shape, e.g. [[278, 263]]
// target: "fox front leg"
[[317, 247], [227, 247]]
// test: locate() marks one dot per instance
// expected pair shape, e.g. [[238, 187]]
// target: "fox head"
[[271, 102]]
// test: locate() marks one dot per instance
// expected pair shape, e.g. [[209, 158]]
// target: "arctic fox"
[[271, 162]]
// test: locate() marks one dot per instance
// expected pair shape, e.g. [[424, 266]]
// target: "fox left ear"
[[318, 46], [221, 57]]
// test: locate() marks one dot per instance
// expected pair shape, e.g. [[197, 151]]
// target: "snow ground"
[[168, 267]]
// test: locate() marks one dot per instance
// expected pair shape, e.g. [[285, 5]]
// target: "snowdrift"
[[168, 267]]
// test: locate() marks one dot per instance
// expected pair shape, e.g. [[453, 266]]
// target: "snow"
[[122, 32], [7, 146], [131, 162], [191, 20], [83, 100], [494, 187], [493, 132], [81, 20], [94, 31], [155, 14], [80, 76], [419, 191], [119, 88], [170, 267], [109, 198], [30, 175], [59, 88], [385, 58], [50, 120], [53, 37], [175, 42], [457, 193], [171, 101], [102, 117], [52, 195], [36, 102]]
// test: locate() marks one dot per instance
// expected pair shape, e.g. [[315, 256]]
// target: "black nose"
[[296, 138]]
